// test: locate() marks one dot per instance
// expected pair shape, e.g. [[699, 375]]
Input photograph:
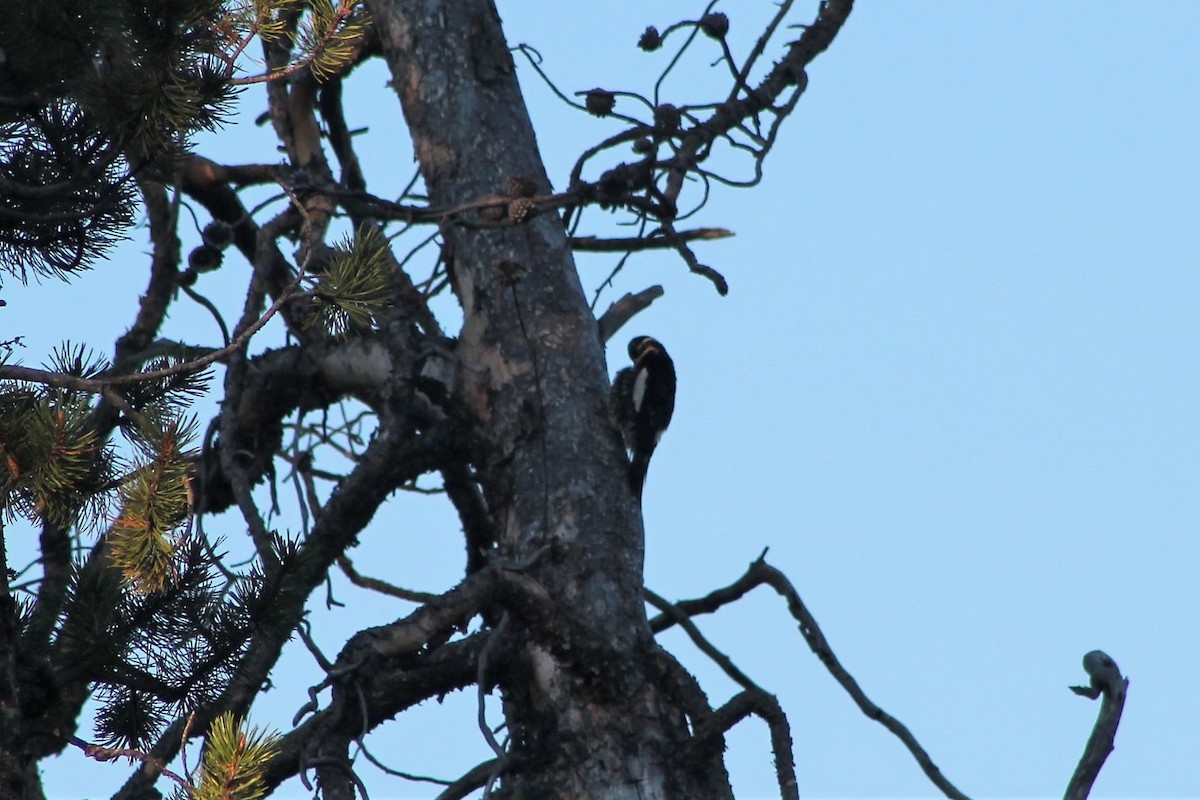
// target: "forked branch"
[[767, 708], [760, 573]]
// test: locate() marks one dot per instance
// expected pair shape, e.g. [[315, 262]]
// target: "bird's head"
[[640, 345]]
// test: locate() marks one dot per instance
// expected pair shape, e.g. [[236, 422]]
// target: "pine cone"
[[599, 102], [650, 40], [715, 25], [521, 186], [521, 210]]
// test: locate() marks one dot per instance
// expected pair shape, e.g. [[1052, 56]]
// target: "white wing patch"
[[639, 389]]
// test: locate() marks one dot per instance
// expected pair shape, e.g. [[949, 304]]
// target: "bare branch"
[[99, 753], [473, 779], [767, 708], [789, 71], [759, 573], [1106, 680], [596, 244], [386, 691], [625, 309], [383, 587], [723, 661], [689, 258]]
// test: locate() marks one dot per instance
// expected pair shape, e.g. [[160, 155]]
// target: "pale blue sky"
[[953, 388]]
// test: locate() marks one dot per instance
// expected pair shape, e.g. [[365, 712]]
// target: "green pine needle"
[[234, 759], [354, 287]]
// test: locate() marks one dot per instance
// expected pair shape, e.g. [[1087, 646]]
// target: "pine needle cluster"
[[154, 656], [96, 93], [234, 758], [320, 34], [54, 468], [353, 286]]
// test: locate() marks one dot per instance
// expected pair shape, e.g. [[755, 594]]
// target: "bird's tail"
[[637, 473]]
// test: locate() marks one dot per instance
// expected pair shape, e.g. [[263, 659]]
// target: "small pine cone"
[[204, 259], [715, 25], [613, 186], [650, 40], [666, 119], [521, 186], [521, 210], [217, 234], [599, 102], [644, 146]]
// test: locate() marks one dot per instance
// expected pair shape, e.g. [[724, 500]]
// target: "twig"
[[723, 661], [408, 776], [482, 689], [685, 252], [98, 385], [1106, 680], [383, 587], [474, 778], [596, 244], [99, 753]]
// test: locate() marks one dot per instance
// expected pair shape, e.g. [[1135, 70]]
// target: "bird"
[[642, 402]]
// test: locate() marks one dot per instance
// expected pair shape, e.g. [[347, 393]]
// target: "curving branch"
[[788, 72], [761, 573], [1107, 681], [472, 779], [625, 309], [767, 708], [383, 587], [720, 659], [386, 690]]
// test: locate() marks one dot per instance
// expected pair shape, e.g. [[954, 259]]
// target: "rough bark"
[[585, 716]]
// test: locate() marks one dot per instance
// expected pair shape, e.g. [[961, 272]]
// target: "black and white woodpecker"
[[642, 401]]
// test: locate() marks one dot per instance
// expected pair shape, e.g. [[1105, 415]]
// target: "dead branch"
[[413, 632], [767, 708], [759, 573], [720, 659], [1106, 681], [100, 753], [677, 241], [597, 244], [383, 587], [384, 692], [625, 309], [473, 779]]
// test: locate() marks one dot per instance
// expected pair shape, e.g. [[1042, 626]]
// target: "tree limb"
[[625, 309], [1106, 680], [723, 661], [767, 708], [383, 587], [597, 244], [471, 780], [760, 573]]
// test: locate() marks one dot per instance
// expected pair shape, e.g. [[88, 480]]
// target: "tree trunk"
[[581, 684]]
